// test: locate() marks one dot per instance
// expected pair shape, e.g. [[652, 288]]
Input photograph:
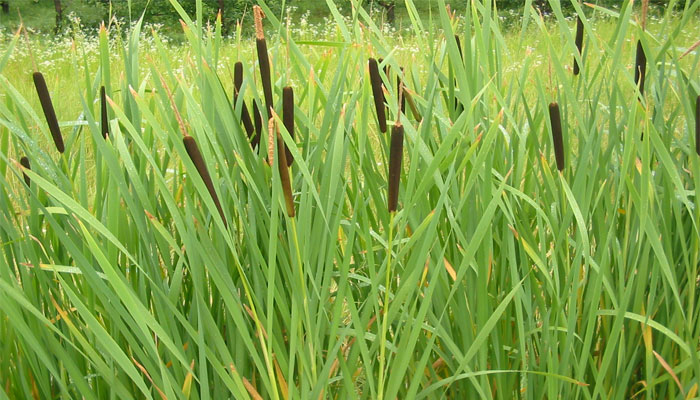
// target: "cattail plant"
[[25, 163], [49, 111], [555, 119], [258, 125], [378, 94], [263, 57], [237, 83], [579, 44], [401, 98], [288, 119], [198, 161], [697, 125], [284, 174], [395, 159], [640, 68], [103, 109], [640, 65]]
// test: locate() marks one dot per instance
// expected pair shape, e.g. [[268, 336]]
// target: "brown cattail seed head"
[[237, 76], [198, 161], [555, 119], [284, 176], [265, 74], [640, 68], [697, 125], [376, 82], [103, 109], [25, 163], [288, 118], [579, 44], [237, 83], [395, 160], [258, 125], [49, 111]]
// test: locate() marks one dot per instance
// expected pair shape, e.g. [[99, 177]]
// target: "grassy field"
[[136, 266]]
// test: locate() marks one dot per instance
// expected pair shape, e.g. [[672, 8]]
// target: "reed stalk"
[[555, 119]]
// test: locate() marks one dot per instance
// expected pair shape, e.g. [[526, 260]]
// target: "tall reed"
[[378, 94], [237, 83], [697, 125], [288, 119], [25, 163], [198, 161], [579, 44], [284, 173], [49, 112], [395, 160], [103, 110], [555, 119], [263, 57]]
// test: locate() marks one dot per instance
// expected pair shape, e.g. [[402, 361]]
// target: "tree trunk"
[[5, 7], [59, 14]]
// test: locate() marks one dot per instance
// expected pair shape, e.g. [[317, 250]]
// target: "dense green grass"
[[498, 276]]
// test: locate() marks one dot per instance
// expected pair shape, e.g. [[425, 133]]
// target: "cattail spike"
[[579, 44], [258, 125], [376, 82], [198, 161], [288, 119], [49, 112], [103, 109], [237, 83], [284, 175], [395, 159], [555, 119], [237, 76], [263, 57], [640, 68], [459, 46], [401, 93], [25, 163], [697, 125]]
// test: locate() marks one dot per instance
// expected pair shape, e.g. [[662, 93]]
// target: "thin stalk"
[[385, 317]]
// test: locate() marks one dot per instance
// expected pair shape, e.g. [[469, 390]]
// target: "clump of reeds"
[[25, 163], [395, 160], [237, 83], [555, 119], [376, 82], [697, 125], [288, 119], [579, 44], [49, 112], [284, 172], [198, 161], [103, 109], [263, 57]]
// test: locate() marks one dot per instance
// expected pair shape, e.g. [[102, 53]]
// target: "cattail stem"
[[288, 119], [198, 161], [49, 112], [103, 109], [376, 82], [555, 119], [697, 125], [579, 44], [395, 159], [263, 57], [284, 175], [640, 68], [412, 105], [25, 163], [237, 83]]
